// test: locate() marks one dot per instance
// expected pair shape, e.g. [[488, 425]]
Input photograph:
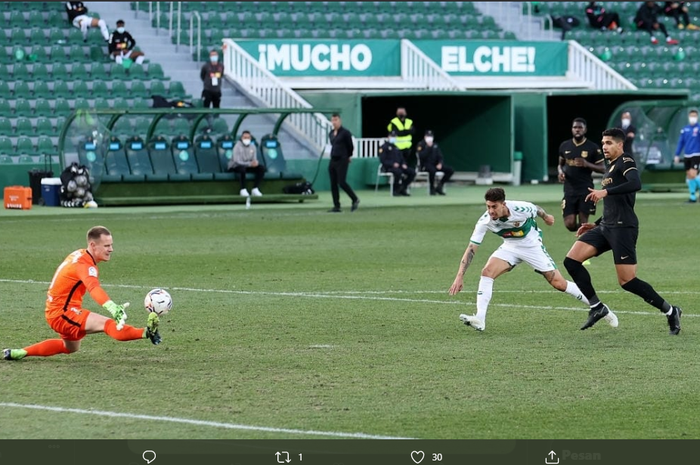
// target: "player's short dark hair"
[[693, 110], [335, 115], [495, 194], [120, 21], [246, 132], [96, 232], [580, 120], [616, 133]]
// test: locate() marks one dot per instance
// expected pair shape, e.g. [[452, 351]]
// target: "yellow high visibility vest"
[[402, 142]]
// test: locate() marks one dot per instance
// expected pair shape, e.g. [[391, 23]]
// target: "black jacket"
[[75, 9], [342, 146], [429, 155], [646, 14], [209, 71], [390, 154], [121, 42]]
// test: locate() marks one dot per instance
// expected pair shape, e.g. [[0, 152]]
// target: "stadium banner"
[[326, 57], [497, 58]]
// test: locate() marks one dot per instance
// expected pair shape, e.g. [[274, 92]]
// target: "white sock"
[[573, 290], [139, 59], [103, 28], [483, 297]]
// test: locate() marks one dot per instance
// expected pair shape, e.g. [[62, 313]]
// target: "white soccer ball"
[[158, 301]]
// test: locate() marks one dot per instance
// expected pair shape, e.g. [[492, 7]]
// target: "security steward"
[[405, 130], [393, 161], [432, 161]]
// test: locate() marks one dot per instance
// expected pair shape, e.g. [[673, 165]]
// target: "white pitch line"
[[187, 421], [315, 295]]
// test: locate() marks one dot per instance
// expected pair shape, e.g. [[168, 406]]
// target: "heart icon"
[[417, 456]]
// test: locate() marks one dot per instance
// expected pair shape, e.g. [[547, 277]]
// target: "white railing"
[[368, 147], [510, 16], [417, 68], [194, 14], [587, 67], [255, 79]]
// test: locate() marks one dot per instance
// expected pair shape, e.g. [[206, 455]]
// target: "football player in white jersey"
[[515, 222]]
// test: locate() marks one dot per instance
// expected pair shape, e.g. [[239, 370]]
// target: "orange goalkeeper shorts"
[[71, 324]]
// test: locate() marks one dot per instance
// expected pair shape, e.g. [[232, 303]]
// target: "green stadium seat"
[[75, 36], [100, 72], [206, 154], [41, 89], [5, 108], [56, 34], [183, 155], [6, 160], [140, 103], [44, 127], [38, 52], [138, 90], [162, 160], [23, 108], [119, 89], [101, 103], [99, 89], [60, 122], [36, 19], [155, 71], [81, 103], [6, 145], [137, 156], [5, 125], [45, 146], [91, 155], [17, 36], [224, 148], [61, 107], [5, 71], [138, 72], [57, 54], [120, 103], [116, 164], [40, 72], [59, 72], [20, 71], [122, 128], [80, 89], [5, 89], [25, 146], [176, 90]]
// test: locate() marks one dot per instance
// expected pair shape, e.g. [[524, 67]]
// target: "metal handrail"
[[179, 25], [588, 67], [136, 13], [194, 14], [257, 80], [416, 66]]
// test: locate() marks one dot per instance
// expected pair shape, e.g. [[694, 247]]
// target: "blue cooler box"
[[51, 191]]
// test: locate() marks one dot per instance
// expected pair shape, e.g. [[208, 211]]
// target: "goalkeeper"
[[64, 313]]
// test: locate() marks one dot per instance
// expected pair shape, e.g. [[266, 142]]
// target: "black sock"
[[644, 290], [582, 278]]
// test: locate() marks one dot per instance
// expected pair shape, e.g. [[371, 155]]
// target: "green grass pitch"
[[293, 319]]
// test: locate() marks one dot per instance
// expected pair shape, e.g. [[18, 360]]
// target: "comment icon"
[[149, 456]]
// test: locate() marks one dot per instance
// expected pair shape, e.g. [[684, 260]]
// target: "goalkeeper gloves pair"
[[118, 312]]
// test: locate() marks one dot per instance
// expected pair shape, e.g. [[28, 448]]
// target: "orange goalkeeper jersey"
[[77, 274]]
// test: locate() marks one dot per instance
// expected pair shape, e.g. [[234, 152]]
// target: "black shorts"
[[622, 242], [692, 163], [575, 204]]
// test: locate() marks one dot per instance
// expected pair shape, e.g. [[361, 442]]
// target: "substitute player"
[[616, 230], [64, 304], [578, 159], [515, 222], [689, 143], [77, 16]]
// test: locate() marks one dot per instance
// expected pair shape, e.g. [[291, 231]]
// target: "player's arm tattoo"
[[540, 212], [467, 259]]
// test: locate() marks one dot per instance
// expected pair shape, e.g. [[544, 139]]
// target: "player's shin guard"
[[692, 187], [582, 279], [127, 333], [483, 297], [573, 290], [47, 348], [644, 290]]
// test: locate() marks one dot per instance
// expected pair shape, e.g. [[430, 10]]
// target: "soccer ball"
[[158, 301]]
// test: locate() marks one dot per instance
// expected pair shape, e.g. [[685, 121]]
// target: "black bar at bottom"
[[349, 452]]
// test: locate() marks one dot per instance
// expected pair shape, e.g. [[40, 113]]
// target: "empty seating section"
[[632, 54], [331, 20], [46, 71]]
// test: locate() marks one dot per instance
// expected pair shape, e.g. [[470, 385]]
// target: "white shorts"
[[536, 256], [78, 19]]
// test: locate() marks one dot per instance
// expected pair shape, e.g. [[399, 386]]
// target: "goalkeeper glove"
[[118, 312]]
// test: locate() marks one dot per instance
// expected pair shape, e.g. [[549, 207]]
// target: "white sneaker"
[[611, 318], [473, 321], [244, 193], [256, 192]]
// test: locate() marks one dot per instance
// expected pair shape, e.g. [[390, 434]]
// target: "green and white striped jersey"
[[520, 227]]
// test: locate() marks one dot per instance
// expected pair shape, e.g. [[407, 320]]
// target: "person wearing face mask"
[[212, 74], [432, 161], [629, 130], [121, 45], [689, 143], [404, 129], [245, 160], [393, 161], [578, 158]]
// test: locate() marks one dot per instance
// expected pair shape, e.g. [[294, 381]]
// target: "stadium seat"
[[45, 146], [61, 90], [119, 89], [116, 164], [158, 88], [224, 148], [59, 72], [61, 107], [40, 72], [5, 125], [138, 90], [176, 90], [23, 108], [25, 146], [5, 108], [41, 89], [183, 156], [91, 154], [6, 160], [99, 89], [24, 127], [6, 145], [22, 89], [206, 153], [137, 156], [44, 127], [162, 160]]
